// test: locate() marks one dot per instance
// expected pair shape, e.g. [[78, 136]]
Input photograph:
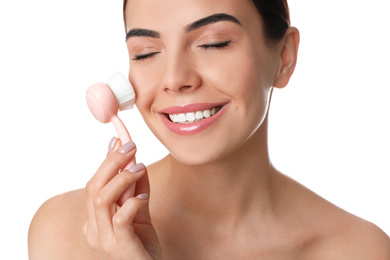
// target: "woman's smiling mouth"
[[192, 118]]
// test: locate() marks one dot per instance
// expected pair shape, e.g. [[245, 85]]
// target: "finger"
[[114, 145], [105, 200], [123, 219], [106, 171], [143, 185], [115, 189], [128, 193], [131, 190], [111, 166]]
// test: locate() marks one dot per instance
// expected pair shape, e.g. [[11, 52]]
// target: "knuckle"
[[90, 188], [118, 220], [99, 201], [93, 242]]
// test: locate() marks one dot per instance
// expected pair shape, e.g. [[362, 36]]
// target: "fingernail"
[[143, 196], [136, 168], [127, 147], [112, 144]]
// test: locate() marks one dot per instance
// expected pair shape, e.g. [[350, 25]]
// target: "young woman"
[[203, 72]]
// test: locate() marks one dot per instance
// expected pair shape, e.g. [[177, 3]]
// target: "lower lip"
[[195, 127]]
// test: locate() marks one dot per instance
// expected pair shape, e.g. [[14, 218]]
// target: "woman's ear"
[[288, 57]]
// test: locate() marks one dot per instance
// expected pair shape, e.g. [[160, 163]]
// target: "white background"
[[329, 129]]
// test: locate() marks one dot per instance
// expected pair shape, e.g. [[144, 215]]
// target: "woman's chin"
[[201, 156], [192, 160]]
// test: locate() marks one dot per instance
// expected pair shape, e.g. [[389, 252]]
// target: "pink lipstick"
[[193, 118]]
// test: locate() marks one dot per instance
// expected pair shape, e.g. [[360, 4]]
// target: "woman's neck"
[[227, 191]]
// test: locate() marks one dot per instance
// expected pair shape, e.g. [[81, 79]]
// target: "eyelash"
[[145, 56], [216, 45]]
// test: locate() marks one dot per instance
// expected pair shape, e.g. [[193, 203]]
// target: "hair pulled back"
[[275, 15]]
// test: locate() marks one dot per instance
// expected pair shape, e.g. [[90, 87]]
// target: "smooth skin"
[[216, 195]]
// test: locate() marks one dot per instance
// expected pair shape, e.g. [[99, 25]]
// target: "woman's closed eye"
[[215, 45], [138, 57]]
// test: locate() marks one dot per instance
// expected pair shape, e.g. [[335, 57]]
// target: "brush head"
[[122, 90], [101, 102], [104, 100]]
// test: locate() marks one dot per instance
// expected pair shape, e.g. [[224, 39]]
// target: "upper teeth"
[[192, 116]]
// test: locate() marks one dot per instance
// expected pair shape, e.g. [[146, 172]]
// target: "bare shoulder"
[[56, 229], [342, 235], [356, 240], [368, 241], [333, 233]]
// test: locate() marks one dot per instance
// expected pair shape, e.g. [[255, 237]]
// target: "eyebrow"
[[137, 32], [142, 33], [211, 19]]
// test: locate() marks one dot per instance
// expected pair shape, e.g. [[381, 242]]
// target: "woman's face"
[[195, 57]]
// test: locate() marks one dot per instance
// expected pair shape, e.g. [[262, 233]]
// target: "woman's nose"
[[180, 74]]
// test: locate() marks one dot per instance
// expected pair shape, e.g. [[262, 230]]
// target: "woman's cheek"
[[240, 79], [144, 87], [220, 73]]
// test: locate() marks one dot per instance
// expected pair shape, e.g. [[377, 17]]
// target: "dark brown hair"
[[275, 15]]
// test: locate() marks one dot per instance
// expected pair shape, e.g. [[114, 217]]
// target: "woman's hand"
[[119, 225]]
